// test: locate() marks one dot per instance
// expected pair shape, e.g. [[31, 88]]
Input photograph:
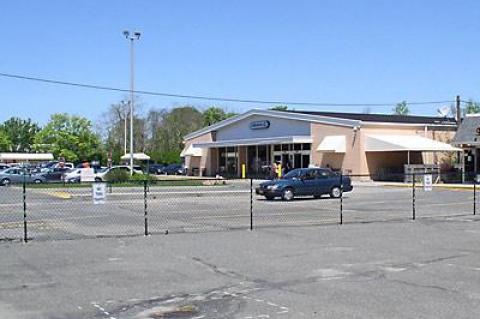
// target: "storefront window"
[[222, 155], [297, 147], [231, 161], [306, 146], [305, 161], [252, 158]]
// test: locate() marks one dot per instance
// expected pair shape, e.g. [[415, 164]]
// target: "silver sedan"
[[19, 175]]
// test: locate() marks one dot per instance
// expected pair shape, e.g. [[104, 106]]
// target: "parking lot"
[[69, 212], [423, 269]]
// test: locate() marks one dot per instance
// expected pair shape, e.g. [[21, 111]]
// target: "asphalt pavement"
[[429, 268]]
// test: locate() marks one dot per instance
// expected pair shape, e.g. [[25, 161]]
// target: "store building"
[[468, 138], [353, 143]]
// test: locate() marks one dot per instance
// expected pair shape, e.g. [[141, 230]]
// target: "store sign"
[[99, 193], [427, 182], [259, 125]]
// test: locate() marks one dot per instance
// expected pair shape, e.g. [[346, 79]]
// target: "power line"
[[209, 98]]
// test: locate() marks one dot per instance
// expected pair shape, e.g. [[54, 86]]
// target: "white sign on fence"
[[87, 175], [99, 193], [427, 182]]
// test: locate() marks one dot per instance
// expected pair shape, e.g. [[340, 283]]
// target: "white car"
[[100, 176], [73, 175], [66, 165]]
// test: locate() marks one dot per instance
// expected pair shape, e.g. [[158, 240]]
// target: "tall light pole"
[[125, 110], [132, 36]]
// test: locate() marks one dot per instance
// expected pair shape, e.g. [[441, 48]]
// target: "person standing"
[[273, 170]]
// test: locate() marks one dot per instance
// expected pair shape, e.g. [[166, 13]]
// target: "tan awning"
[[191, 151], [332, 144], [391, 143]]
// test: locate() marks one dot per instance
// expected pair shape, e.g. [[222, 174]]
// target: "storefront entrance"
[[258, 159]]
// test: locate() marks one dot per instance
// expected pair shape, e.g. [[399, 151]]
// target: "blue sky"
[[324, 51]]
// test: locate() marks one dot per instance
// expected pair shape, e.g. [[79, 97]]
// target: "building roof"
[[331, 118], [276, 114], [467, 131], [384, 118], [26, 157]]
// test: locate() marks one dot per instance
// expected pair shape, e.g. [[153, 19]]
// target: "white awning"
[[332, 144], [390, 143], [26, 157], [257, 141], [191, 151], [136, 157]]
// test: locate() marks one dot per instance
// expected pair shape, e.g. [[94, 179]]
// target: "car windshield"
[[101, 170]]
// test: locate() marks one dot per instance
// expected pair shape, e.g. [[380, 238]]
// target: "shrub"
[[117, 175]]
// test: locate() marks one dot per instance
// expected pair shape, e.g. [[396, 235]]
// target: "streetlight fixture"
[[132, 36]]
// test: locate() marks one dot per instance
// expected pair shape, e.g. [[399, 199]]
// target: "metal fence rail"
[[69, 211]]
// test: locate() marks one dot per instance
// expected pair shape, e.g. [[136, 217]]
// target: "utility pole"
[[460, 155], [459, 110], [132, 37]]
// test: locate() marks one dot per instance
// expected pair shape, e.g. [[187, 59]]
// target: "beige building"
[[354, 143]]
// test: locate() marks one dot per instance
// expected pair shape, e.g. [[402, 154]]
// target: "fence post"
[[145, 211], [25, 233], [474, 195], [413, 196], [251, 203], [341, 198]]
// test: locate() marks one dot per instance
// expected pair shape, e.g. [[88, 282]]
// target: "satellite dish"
[[444, 111]]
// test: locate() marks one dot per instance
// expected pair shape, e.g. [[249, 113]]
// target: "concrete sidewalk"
[[466, 186]]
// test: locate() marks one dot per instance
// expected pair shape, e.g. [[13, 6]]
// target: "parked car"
[[73, 175], [174, 169], [100, 175], [55, 174], [65, 165], [306, 182], [19, 175], [44, 167], [156, 169], [3, 166]]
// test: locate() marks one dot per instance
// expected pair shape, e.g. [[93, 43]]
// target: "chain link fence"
[[84, 210]]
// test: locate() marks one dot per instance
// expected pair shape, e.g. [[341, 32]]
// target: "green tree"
[[279, 108], [69, 136], [215, 114], [21, 133], [472, 107], [5, 143], [401, 108], [175, 124]]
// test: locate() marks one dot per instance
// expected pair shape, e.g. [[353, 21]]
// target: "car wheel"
[[335, 192], [37, 181], [98, 179], [287, 194], [269, 197], [5, 182]]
